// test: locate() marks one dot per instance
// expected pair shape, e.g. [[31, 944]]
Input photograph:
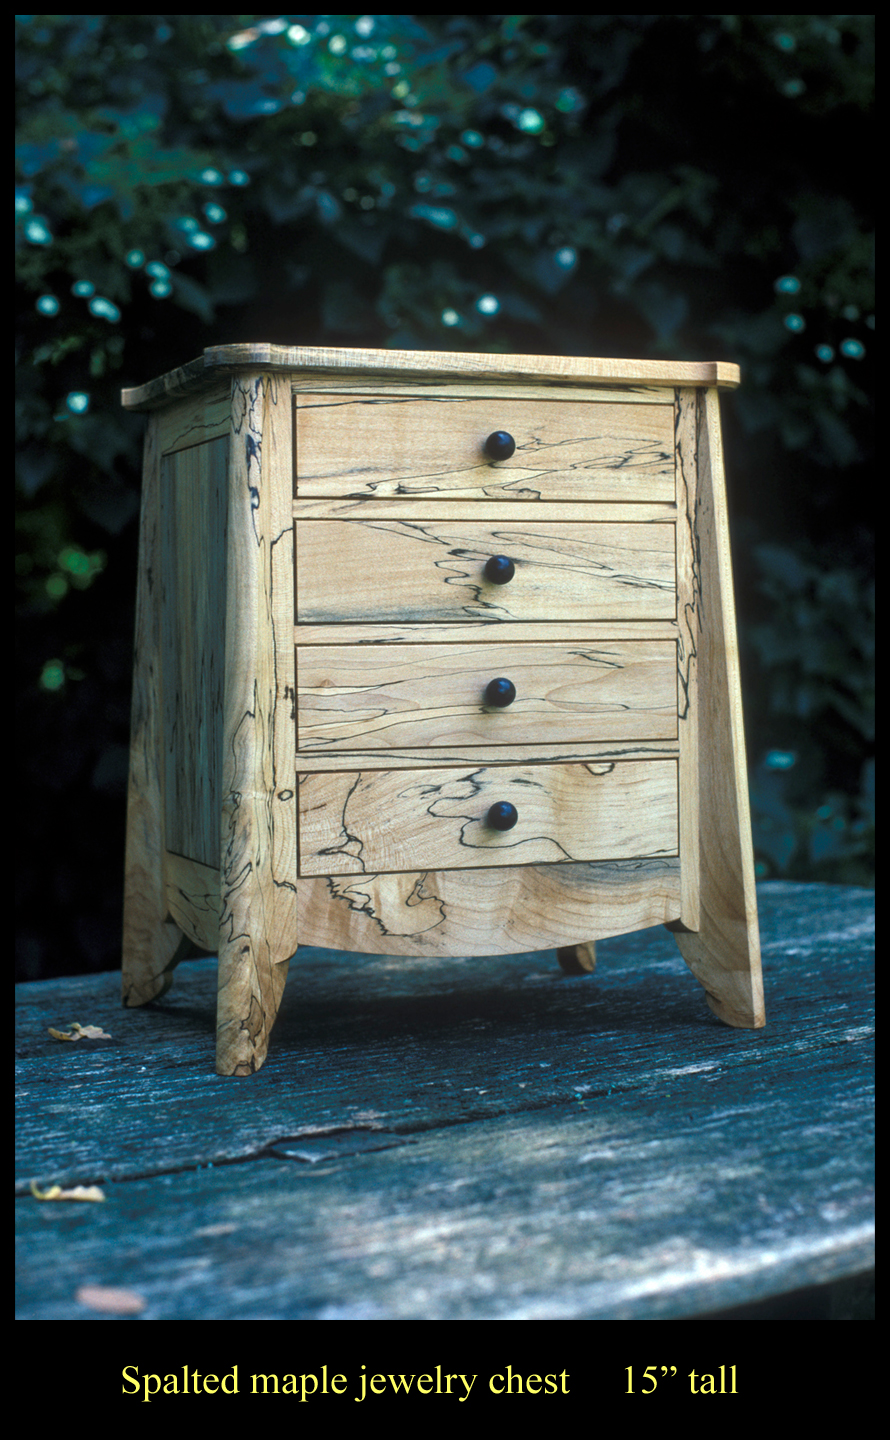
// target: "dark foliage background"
[[696, 187]]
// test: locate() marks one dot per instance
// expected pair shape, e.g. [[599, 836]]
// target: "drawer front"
[[433, 571], [362, 445], [378, 822], [383, 697]]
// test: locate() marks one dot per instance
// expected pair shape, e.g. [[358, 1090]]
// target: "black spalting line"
[[349, 839], [359, 900], [687, 648]]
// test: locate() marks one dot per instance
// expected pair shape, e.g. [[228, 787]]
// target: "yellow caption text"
[[438, 1381]]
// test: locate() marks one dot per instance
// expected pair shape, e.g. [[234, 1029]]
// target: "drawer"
[[381, 697], [364, 445], [432, 571], [377, 822]]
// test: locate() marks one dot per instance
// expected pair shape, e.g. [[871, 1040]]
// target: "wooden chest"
[[435, 655]]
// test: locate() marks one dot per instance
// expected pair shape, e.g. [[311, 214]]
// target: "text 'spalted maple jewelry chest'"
[[435, 655]]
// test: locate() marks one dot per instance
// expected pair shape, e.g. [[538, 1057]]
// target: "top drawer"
[[406, 445]]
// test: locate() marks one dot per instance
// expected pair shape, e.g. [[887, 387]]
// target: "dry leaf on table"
[[80, 1032], [77, 1192]]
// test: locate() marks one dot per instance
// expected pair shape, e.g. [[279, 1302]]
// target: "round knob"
[[499, 569], [499, 445], [502, 816], [500, 692]]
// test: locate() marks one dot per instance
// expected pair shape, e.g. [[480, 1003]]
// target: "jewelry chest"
[[435, 654]]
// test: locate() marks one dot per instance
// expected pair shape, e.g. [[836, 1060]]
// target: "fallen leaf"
[[111, 1300], [80, 1032], [79, 1192]]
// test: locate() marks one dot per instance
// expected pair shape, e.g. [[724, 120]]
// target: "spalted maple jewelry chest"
[[435, 655]]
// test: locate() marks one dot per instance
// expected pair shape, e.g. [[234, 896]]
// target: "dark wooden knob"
[[502, 816], [499, 445], [500, 692], [499, 569]]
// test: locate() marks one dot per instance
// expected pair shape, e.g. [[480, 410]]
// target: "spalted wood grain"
[[433, 571], [587, 511], [431, 365], [379, 821], [193, 899], [496, 388], [258, 841], [152, 944], [412, 445], [193, 503], [462, 756], [488, 911], [359, 697], [614, 512], [689, 625], [579, 632], [723, 950]]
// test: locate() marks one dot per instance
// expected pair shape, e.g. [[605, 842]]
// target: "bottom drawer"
[[377, 822]]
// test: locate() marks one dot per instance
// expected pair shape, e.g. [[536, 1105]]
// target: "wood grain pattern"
[[463, 756], [379, 821], [497, 632], [557, 1135], [197, 420], [152, 944], [723, 951], [352, 697], [449, 387], [415, 757], [407, 571], [541, 511], [623, 751], [492, 911], [689, 626], [411, 445], [258, 841], [193, 899], [193, 503], [434, 365]]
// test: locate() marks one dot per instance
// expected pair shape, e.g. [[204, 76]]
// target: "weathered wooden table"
[[463, 1139]]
